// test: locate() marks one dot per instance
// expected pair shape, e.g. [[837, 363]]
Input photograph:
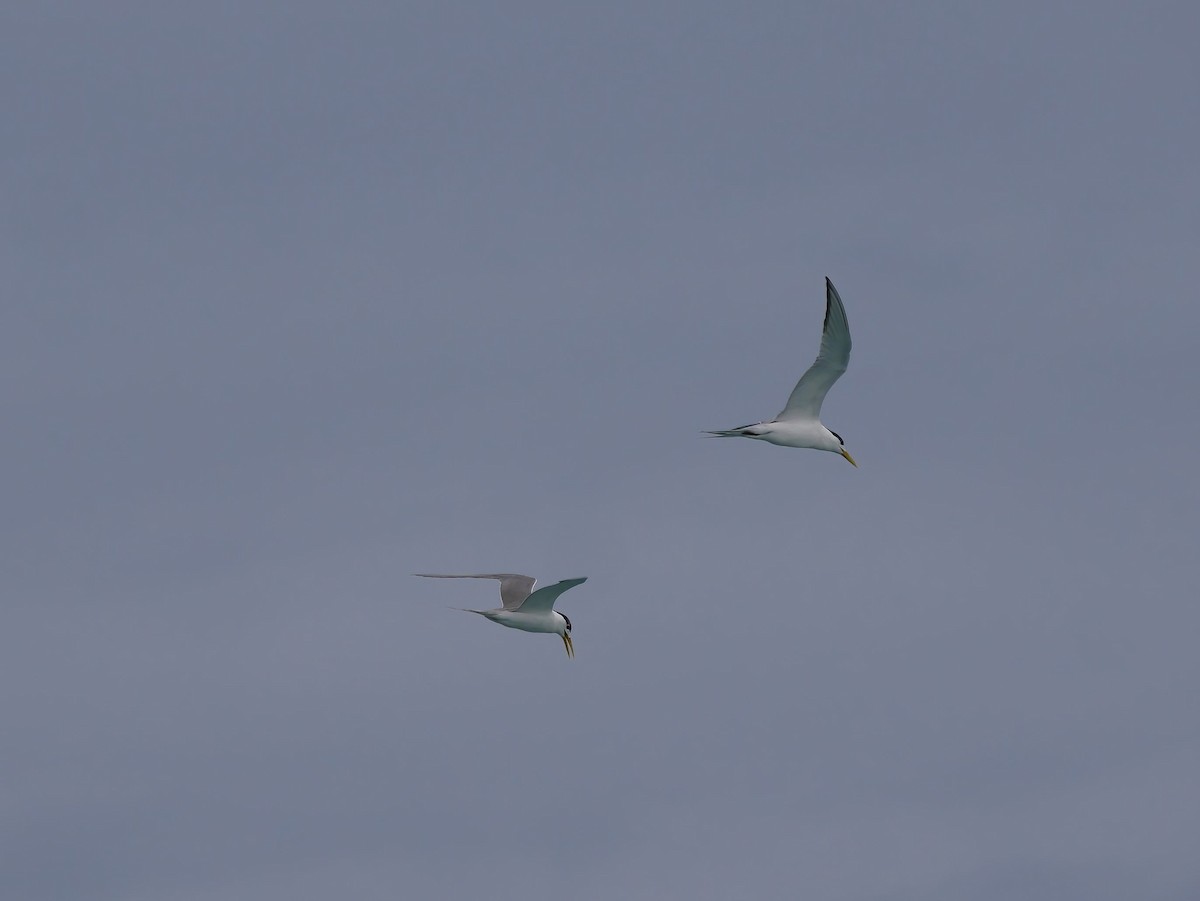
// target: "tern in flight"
[[799, 423], [523, 608]]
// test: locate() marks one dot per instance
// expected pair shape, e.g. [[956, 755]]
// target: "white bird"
[[799, 423], [523, 608]]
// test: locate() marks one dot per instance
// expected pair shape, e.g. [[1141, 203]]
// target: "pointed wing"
[[543, 599], [514, 589], [810, 391]]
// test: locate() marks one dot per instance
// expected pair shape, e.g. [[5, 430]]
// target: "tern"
[[523, 608], [799, 423]]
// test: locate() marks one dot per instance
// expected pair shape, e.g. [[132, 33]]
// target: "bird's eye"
[[837, 436]]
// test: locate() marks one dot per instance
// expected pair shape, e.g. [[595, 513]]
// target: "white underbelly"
[[801, 434], [527, 622]]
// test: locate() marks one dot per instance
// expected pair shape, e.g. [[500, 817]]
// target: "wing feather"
[[514, 589], [543, 599], [806, 398]]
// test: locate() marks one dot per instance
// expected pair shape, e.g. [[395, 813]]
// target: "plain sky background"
[[300, 299]]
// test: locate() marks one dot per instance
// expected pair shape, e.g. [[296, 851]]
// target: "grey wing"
[[831, 362], [514, 589], [543, 599]]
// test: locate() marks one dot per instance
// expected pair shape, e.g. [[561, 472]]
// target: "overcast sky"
[[301, 299]]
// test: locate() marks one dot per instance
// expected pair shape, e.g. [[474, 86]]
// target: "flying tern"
[[523, 608], [799, 423]]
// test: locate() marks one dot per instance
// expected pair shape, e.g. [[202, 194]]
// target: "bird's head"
[[566, 634], [841, 448]]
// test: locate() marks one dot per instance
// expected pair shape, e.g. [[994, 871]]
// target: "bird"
[[799, 422], [523, 608]]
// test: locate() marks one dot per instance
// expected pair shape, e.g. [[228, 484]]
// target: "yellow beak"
[[568, 644], [845, 453]]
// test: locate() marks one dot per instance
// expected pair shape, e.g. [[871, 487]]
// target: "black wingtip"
[[830, 293]]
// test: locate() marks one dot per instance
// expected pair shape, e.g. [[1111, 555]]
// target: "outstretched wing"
[[543, 599], [514, 589], [810, 391]]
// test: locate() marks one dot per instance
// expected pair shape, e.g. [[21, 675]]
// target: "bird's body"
[[799, 422], [550, 621], [785, 433], [524, 608]]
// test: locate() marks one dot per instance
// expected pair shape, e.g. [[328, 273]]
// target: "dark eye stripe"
[[837, 436]]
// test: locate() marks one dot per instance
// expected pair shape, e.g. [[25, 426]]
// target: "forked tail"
[[743, 431]]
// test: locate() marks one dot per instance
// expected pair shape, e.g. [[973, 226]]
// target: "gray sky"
[[302, 302]]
